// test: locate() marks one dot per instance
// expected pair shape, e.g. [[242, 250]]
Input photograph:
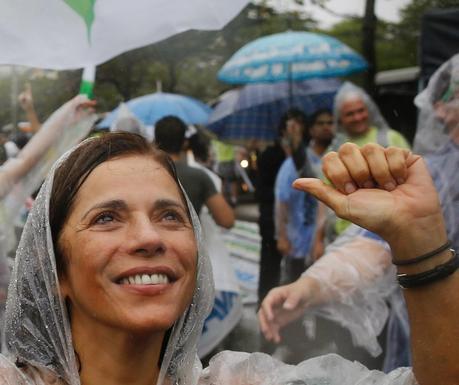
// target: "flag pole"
[[87, 81], [14, 97]]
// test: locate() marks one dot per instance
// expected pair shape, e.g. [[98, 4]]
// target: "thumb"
[[323, 192]]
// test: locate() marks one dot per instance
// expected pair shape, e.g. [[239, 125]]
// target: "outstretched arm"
[[403, 208], [221, 211]]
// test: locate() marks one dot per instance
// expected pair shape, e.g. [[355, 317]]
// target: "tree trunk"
[[368, 44]]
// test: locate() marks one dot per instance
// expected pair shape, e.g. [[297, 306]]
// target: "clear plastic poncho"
[[39, 338], [357, 284], [22, 175], [437, 138]]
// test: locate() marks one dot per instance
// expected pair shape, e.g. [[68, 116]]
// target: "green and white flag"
[[70, 34]]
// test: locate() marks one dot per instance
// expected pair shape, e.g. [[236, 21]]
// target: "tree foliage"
[[408, 30], [390, 50]]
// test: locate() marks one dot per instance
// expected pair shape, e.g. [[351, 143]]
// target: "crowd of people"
[[353, 279], [113, 280]]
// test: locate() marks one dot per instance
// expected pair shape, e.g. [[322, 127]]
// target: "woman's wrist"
[[418, 238], [311, 289]]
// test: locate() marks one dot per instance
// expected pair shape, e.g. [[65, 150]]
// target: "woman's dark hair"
[[72, 173]]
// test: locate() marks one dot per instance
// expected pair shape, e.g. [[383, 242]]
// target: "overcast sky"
[[385, 9]]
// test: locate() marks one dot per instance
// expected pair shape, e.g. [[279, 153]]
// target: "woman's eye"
[[104, 218], [172, 216]]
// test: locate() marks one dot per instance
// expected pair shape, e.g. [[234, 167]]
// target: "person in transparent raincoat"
[[22, 175], [111, 283], [437, 138], [354, 282]]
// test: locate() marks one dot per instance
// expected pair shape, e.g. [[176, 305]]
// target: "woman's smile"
[[147, 280]]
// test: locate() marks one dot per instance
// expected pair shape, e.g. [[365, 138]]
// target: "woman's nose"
[[144, 238]]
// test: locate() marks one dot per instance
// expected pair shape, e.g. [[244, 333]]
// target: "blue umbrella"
[[150, 108], [291, 56], [254, 111]]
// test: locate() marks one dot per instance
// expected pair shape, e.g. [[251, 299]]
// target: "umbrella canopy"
[[150, 108], [254, 111], [67, 34], [291, 56]]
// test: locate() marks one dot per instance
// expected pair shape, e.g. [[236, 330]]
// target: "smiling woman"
[[122, 248]]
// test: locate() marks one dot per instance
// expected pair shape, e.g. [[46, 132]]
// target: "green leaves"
[[85, 9]]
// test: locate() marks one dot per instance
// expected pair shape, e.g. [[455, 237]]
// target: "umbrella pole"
[[290, 86]]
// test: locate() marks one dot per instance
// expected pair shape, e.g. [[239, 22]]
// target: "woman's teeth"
[[145, 279]]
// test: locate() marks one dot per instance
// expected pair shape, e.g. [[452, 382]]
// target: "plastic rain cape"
[[38, 332], [357, 284], [438, 139], [22, 175]]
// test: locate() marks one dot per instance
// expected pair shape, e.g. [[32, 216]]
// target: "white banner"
[[69, 34]]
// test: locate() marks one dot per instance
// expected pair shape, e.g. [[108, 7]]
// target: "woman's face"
[[130, 248]]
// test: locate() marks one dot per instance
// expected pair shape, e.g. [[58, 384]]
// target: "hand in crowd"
[[82, 106], [388, 191], [285, 304], [25, 98]]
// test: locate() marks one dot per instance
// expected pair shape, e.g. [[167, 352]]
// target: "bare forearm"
[[435, 332], [221, 211], [434, 313], [320, 223], [281, 219]]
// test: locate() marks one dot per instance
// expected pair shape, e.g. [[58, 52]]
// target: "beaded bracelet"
[[423, 257], [439, 272]]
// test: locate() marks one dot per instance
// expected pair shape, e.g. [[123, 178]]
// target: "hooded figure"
[[359, 120], [38, 332], [39, 336], [437, 138]]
